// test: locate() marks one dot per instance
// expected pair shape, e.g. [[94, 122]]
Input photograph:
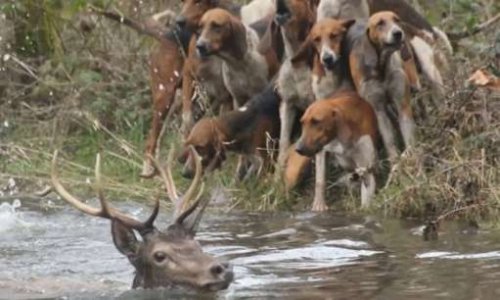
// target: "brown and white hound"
[[295, 18], [424, 38], [324, 52], [245, 131], [192, 10], [345, 125], [202, 78], [245, 70], [378, 74]]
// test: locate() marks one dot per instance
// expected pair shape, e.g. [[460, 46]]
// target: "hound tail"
[[441, 36]]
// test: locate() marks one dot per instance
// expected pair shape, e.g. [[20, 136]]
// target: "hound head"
[[207, 141], [296, 17], [218, 32], [192, 11], [385, 30], [319, 126], [324, 41]]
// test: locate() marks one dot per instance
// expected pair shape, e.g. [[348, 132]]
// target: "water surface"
[[63, 254]]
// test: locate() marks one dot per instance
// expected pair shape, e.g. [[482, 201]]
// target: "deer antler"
[[184, 205], [106, 211]]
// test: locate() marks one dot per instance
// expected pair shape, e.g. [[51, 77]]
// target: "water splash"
[[9, 217]]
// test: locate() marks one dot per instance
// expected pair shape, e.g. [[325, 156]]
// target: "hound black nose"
[[281, 18], [328, 61], [397, 35], [300, 149], [202, 49], [180, 21]]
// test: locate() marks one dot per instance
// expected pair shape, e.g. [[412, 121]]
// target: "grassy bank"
[[88, 91]]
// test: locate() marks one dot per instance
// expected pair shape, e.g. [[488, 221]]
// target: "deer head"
[[161, 258]]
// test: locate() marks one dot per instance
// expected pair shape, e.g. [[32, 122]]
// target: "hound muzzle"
[[394, 36], [328, 58]]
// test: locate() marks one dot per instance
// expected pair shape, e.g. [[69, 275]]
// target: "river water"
[[62, 254]]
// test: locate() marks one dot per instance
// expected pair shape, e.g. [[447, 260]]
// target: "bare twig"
[[463, 34]]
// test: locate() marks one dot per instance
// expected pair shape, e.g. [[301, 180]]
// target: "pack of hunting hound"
[[285, 84], [282, 84]]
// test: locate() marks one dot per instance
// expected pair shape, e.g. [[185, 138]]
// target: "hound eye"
[[333, 36], [160, 256], [381, 23], [314, 122], [317, 39]]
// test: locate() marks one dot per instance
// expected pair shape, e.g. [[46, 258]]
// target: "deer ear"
[[124, 239]]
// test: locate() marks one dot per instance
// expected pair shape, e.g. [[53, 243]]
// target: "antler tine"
[[167, 180], [190, 193], [202, 202], [98, 186], [77, 203], [106, 211]]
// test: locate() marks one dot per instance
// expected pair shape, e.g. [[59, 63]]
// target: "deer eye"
[[160, 256]]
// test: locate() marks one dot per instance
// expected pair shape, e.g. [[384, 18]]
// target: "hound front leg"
[[163, 99], [364, 158], [320, 183], [187, 101], [256, 163], [188, 93], [367, 189], [373, 92], [407, 124], [287, 115], [241, 167], [399, 92]]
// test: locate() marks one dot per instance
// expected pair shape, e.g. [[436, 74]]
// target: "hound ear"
[[272, 40], [369, 53], [348, 23], [305, 54], [238, 37], [314, 3], [343, 131]]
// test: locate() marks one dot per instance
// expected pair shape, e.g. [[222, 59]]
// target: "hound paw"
[[319, 206]]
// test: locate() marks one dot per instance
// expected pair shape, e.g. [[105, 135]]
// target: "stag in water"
[[161, 258]]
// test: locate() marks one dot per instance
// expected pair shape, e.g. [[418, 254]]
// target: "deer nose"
[[180, 21], [219, 268], [397, 35]]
